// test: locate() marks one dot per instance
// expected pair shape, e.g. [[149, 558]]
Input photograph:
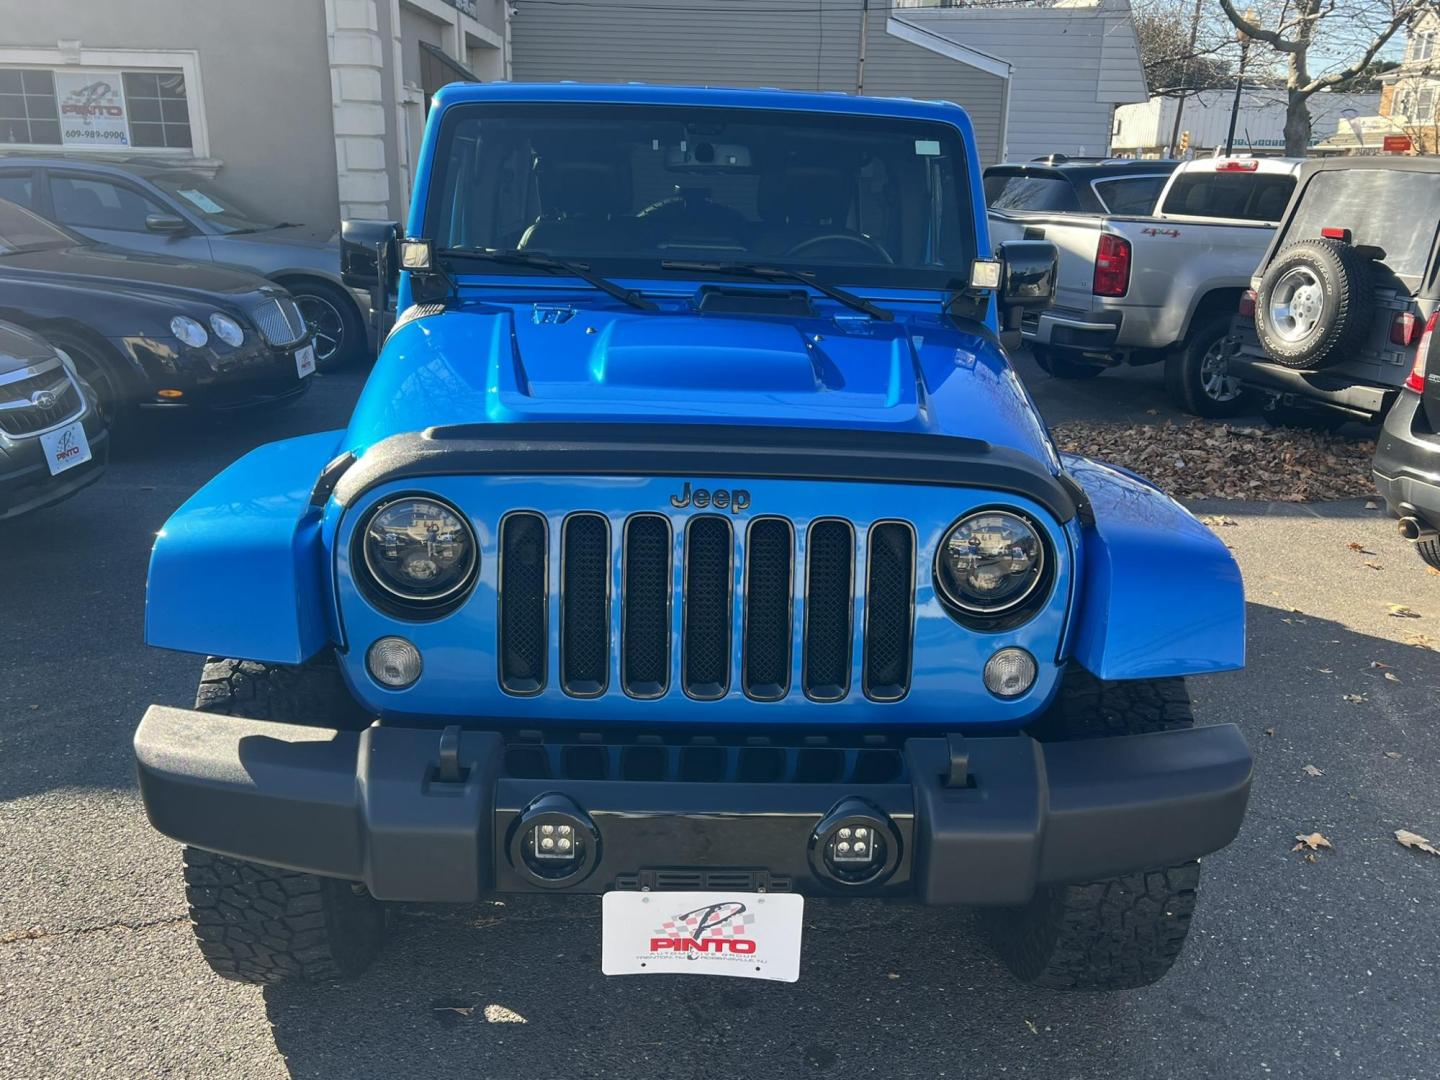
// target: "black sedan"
[[53, 441], [151, 331]]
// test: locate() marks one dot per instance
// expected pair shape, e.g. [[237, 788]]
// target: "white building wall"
[[1259, 126]]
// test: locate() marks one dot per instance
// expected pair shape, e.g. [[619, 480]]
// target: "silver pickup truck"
[[1146, 289]]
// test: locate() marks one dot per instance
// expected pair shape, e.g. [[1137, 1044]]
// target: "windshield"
[[20, 230], [215, 205], [1394, 210], [624, 188]]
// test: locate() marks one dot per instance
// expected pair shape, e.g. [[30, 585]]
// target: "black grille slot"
[[584, 605], [30, 418], [768, 574], [522, 599], [889, 611], [645, 630], [708, 570], [829, 604]]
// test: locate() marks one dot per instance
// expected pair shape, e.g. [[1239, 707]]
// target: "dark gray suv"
[[1338, 305]]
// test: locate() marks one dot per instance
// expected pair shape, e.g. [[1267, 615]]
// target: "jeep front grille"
[[679, 630]]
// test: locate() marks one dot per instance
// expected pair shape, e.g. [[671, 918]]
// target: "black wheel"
[[1120, 932], [100, 372], [1429, 549], [1056, 363], [1290, 416], [1197, 374], [339, 329], [1313, 307], [262, 924]]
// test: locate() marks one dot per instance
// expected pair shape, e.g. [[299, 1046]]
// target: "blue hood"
[[555, 361]]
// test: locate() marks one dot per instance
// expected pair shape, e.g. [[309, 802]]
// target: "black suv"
[[1330, 328], [1062, 185], [1407, 457]]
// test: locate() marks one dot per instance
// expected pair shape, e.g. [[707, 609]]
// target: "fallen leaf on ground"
[[461, 1010], [1314, 842], [1031, 1025], [1325, 670], [1415, 841], [1392, 677], [1311, 770], [892, 974], [1421, 641], [1360, 549], [1394, 755], [1400, 611], [1374, 565], [1204, 459], [1270, 731], [1371, 504], [1378, 664], [1432, 570], [1356, 699], [499, 1014]]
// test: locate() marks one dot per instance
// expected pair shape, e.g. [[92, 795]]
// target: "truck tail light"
[[1247, 304], [1244, 165], [1112, 266], [1403, 328], [1416, 379]]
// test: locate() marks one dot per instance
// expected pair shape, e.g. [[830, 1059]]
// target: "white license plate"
[[745, 935], [305, 361], [65, 447]]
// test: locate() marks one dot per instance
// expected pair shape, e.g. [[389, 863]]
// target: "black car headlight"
[[419, 550], [990, 562]]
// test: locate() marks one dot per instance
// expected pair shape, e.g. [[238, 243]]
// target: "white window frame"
[[186, 61], [1424, 104], [1424, 46]]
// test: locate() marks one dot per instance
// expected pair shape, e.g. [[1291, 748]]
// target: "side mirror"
[[1027, 276], [367, 253], [166, 223]]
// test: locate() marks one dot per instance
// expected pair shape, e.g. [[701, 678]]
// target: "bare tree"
[[1300, 29], [1175, 64]]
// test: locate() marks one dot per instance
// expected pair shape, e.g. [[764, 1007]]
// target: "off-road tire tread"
[[1117, 934], [260, 924], [312, 693], [1121, 932]]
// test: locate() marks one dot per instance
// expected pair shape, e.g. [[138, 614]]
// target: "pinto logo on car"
[[717, 928]]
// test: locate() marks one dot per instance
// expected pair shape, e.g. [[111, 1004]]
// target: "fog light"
[[554, 843], [393, 662], [855, 844], [1009, 673]]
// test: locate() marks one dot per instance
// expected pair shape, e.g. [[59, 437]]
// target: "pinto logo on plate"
[[716, 928]]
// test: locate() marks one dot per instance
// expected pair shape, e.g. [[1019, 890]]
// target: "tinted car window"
[[221, 208], [99, 204], [1031, 193], [1396, 211], [21, 230], [1131, 194], [1238, 195], [18, 188]]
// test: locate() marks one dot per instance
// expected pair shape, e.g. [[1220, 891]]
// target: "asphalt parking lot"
[[1295, 968]]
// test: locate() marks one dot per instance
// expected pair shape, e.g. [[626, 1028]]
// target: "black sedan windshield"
[[20, 230], [627, 188]]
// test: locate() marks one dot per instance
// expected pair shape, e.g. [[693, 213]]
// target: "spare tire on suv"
[[1312, 308]]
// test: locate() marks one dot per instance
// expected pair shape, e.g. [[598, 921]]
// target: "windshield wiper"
[[779, 273], [554, 266]]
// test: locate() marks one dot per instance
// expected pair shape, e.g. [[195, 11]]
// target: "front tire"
[[340, 338], [1197, 376], [1117, 933], [1428, 549], [262, 924]]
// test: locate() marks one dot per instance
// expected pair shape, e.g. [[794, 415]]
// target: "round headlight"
[[420, 549], [189, 331], [227, 330], [990, 562]]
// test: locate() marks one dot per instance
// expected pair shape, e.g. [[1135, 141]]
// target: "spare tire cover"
[[1313, 306]]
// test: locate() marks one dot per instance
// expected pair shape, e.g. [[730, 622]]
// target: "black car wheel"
[[1197, 375], [339, 331], [1313, 307], [1055, 363]]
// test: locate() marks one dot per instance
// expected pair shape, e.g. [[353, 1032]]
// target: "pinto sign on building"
[[92, 108]]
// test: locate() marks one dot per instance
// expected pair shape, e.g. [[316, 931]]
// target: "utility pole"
[[1244, 40], [1189, 59], [864, 40]]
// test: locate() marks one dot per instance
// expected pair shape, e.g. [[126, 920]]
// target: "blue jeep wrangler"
[[693, 543]]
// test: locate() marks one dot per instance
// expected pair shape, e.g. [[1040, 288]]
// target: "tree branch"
[[1258, 33], [1400, 19]]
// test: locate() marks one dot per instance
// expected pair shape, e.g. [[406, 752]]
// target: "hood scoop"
[[682, 352]]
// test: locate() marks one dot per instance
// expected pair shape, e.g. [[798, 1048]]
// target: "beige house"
[[1409, 101]]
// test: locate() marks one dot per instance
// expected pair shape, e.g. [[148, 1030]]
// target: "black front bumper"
[[421, 815], [256, 374], [1407, 463]]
